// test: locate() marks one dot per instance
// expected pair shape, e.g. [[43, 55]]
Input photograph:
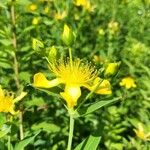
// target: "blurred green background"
[[106, 31]]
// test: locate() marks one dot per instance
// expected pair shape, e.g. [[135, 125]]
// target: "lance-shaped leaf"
[[22, 144], [4, 132], [90, 143], [93, 107]]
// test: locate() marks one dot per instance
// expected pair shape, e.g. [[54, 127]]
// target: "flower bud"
[[52, 54], [38, 47], [112, 68], [36, 44], [68, 36]]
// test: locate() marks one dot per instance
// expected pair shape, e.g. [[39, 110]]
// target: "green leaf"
[[6, 42], [22, 144], [91, 143], [48, 127], [36, 101], [25, 76], [50, 93], [2, 120], [5, 131], [93, 107], [3, 3], [4, 64]]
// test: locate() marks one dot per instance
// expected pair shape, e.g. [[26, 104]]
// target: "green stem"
[[9, 145], [21, 125], [70, 132], [15, 63], [70, 56], [88, 96]]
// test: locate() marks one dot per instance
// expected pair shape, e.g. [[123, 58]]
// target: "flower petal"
[[104, 88], [71, 95], [100, 86], [1, 93], [41, 81]]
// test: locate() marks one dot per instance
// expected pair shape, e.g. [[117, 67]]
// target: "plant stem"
[[15, 61], [71, 128], [21, 125], [15, 65], [70, 56], [9, 119], [9, 145]]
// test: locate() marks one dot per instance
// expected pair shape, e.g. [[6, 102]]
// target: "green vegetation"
[[87, 60]]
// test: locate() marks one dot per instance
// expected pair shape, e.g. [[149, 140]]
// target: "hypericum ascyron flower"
[[113, 27], [35, 21], [60, 15], [143, 135], [32, 7], [128, 82], [73, 75], [85, 4], [7, 101]]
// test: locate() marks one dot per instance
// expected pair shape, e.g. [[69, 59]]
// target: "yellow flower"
[[32, 7], [7, 101], [113, 27], [128, 82], [80, 2], [35, 21], [60, 15], [85, 4], [141, 134], [74, 75], [46, 10], [98, 59], [101, 31]]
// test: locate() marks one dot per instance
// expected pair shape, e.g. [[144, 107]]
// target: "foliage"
[[106, 33]]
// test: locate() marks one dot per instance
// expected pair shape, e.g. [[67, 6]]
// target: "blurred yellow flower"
[[60, 15], [98, 59], [80, 2], [85, 4], [128, 82], [46, 10], [73, 75], [7, 101], [113, 27], [76, 16], [32, 7], [101, 31], [35, 21], [141, 133]]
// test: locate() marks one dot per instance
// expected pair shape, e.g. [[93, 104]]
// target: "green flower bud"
[[68, 36], [112, 68], [36, 44], [52, 54]]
